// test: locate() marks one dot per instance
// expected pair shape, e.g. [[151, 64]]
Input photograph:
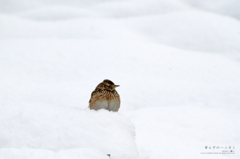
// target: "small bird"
[[105, 97]]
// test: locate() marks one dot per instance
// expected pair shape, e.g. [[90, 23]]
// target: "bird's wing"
[[94, 94]]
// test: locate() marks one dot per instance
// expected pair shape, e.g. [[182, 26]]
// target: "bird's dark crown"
[[108, 82]]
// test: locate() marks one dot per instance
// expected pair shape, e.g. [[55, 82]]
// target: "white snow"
[[227, 7], [176, 61], [34, 127]]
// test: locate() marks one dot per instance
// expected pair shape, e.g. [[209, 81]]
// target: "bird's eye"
[[108, 87]]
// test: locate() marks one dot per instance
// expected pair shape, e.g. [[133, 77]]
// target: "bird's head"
[[109, 85]]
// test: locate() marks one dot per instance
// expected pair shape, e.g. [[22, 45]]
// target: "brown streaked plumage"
[[105, 97]]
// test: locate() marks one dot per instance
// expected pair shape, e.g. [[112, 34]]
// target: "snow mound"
[[55, 13], [15, 6], [30, 153], [226, 7], [183, 132], [32, 26], [188, 30], [34, 128], [133, 8]]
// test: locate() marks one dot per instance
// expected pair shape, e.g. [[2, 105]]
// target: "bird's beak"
[[116, 85]]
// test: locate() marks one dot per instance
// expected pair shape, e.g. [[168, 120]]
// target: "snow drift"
[[177, 64], [41, 130]]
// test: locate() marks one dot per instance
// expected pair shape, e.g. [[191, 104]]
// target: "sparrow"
[[105, 97]]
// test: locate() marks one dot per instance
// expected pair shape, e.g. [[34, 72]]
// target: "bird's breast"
[[105, 100], [112, 105], [101, 104]]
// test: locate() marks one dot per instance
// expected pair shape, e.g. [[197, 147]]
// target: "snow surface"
[[176, 61]]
